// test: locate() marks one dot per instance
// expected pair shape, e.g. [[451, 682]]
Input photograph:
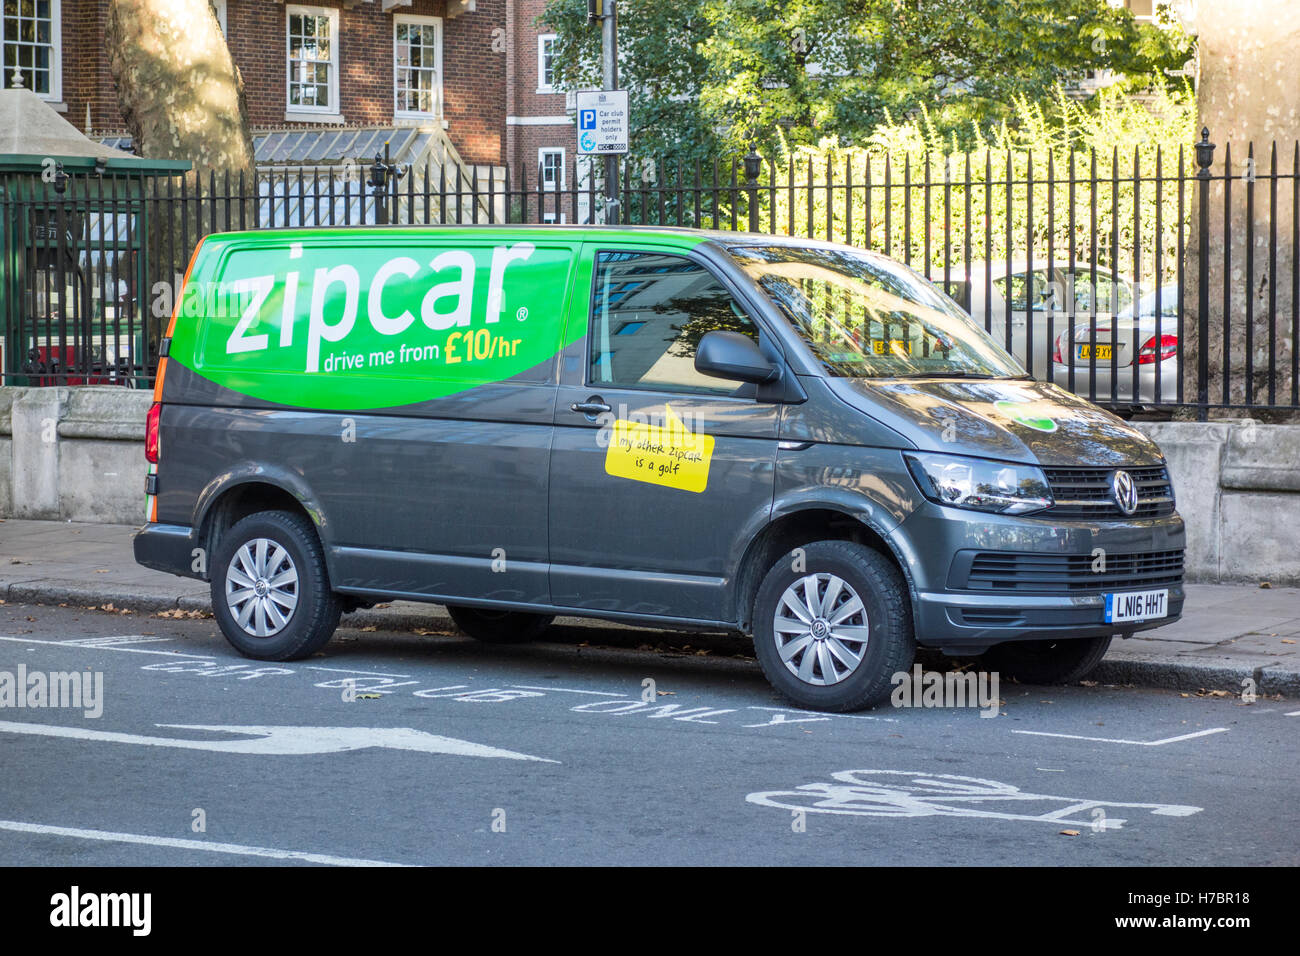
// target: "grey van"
[[796, 440]]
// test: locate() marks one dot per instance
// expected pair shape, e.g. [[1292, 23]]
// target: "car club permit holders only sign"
[[603, 122], [670, 455]]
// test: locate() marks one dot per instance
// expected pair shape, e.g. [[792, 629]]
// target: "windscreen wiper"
[[954, 373]]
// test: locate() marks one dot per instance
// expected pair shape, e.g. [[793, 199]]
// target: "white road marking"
[[902, 793], [109, 836], [1294, 713], [823, 713], [348, 670], [114, 641], [293, 741], [124, 650], [569, 690], [1116, 740]]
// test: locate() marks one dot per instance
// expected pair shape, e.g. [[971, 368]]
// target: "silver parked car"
[[1027, 309], [1133, 360]]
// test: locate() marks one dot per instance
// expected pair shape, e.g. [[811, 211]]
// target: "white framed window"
[[219, 6], [546, 63], [31, 40], [417, 66], [550, 168], [313, 59]]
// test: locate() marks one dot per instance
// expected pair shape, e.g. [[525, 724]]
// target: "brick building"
[[477, 71]]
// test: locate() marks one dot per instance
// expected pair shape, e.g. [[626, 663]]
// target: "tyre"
[[499, 627], [270, 591], [1046, 662], [831, 634]]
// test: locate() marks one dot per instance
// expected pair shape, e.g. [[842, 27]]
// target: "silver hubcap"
[[820, 629], [261, 587]]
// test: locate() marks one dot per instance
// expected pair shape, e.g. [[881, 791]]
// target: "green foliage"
[[715, 76], [930, 200]]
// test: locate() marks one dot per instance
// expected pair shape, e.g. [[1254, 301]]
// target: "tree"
[[178, 88], [1247, 95], [182, 97], [731, 73], [661, 58]]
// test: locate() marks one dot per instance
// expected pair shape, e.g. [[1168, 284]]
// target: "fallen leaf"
[[101, 570], [370, 628], [1069, 833], [1285, 640], [667, 693], [368, 696]]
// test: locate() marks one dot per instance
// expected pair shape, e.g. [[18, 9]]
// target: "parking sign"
[[603, 122]]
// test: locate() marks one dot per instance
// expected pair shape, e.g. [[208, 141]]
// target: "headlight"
[[979, 484]]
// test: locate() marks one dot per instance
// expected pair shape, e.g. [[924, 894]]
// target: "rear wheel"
[[1047, 662], [270, 590], [499, 627], [832, 625]]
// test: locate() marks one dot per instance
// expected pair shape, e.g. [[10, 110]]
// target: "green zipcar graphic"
[[1016, 411], [380, 319]]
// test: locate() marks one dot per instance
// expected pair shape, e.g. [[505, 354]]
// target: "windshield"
[[866, 316]]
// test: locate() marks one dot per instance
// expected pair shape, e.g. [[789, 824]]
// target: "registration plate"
[[1103, 352], [1137, 606]]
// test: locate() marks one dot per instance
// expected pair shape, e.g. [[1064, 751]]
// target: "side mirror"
[[734, 356]]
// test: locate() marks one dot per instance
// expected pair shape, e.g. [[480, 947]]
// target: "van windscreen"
[[866, 316]]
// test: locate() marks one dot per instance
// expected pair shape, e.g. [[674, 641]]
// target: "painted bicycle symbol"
[[905, 793]]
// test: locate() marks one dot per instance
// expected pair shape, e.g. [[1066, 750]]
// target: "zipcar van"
[[792, 439]]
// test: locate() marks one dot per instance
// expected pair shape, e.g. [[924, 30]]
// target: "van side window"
[[648, 314]]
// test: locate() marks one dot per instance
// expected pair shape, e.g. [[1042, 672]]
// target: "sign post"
[[603, 133]]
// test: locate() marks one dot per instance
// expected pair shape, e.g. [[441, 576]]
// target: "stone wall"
[[73, 454]]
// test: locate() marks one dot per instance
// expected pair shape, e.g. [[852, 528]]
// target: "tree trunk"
[[182, 98], [178, 87], [1246, 94]]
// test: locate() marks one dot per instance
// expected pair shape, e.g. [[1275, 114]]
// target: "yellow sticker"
[[671, 456]]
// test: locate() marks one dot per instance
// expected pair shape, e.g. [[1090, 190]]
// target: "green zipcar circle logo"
[[1016, 412]]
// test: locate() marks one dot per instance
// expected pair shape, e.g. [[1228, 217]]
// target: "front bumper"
[[951, 612]]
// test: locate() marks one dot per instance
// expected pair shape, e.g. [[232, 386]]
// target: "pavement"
[[1229, 633]]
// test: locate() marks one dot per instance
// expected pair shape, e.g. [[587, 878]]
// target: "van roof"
[[722, 237]]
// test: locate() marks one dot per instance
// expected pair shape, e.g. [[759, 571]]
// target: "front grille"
[[1022, 573], [1085, 492]]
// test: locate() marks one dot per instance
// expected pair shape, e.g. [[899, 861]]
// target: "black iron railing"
[[1144, 279]]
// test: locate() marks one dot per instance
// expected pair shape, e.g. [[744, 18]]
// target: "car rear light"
[[1168, 349], [1056, 349], [151, 433]]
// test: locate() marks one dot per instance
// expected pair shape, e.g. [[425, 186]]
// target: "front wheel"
[[1047, 662], [499, 627], [270, 591], [832, 625]]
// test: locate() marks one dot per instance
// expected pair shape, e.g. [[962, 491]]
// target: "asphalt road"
[[455, 752]]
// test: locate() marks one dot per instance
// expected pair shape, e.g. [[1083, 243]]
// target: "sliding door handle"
[[592, 407]]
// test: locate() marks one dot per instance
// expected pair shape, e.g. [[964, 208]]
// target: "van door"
[[659, 474], [447, 497]]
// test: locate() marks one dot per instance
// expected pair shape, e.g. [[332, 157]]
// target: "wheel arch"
[[243, 492], [800, 526]]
